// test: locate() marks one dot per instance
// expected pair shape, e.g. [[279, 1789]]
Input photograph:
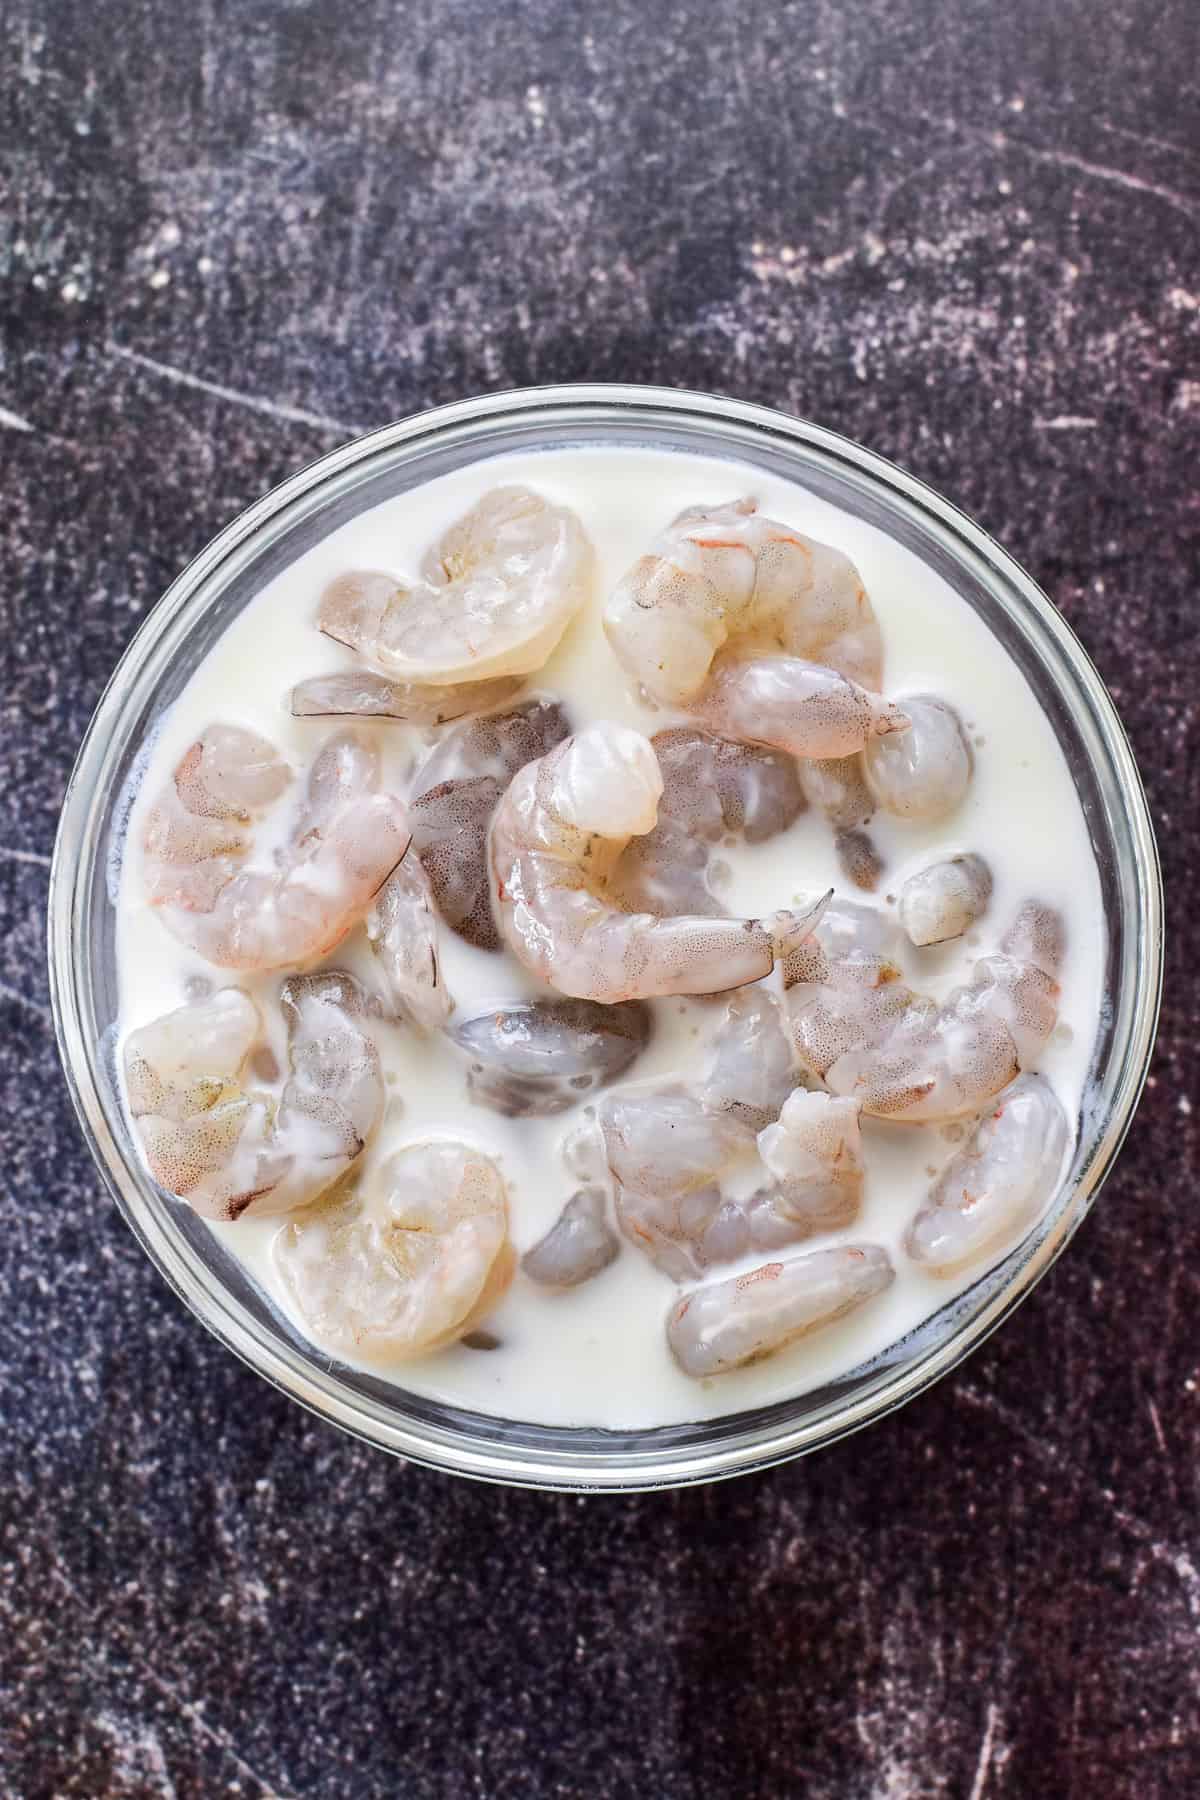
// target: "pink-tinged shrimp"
[[411, 1260], [998, 1186], [495, 594], [556, 839], [345, 842], [725, 1324], [866, 1034], [765, 635], [711, 788], [227, 1149], [694, 1186]]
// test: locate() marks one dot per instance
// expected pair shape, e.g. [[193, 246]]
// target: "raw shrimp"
[[357, 693], [995, 1188], [859, 1028], [581, 1243], [402, 929], [228, 1150], [710, 788], [837, 787], [456, 792], [921, 773], [411, 1260], [725, 1324], [724, 574], [753, 1067], [801, 707], [556, 839], [673, 1156], [344, 844], [540, 1057], [495, 594], [943, 900]]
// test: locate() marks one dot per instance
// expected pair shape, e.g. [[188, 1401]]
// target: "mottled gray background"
[[235, 233]]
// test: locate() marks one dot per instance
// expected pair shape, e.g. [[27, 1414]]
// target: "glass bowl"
[[253, 549]]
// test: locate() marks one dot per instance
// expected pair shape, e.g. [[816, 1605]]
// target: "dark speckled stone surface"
[[235, 232]]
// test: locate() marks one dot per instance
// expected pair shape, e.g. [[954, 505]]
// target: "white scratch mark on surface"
[[25, 856], [985, 1753], [1157, 1424], [294, 415], [12, 421], [1064, 159], [1178, 1561], [1067, 422], [179, 1700]]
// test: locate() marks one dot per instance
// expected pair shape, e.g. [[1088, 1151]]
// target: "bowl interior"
[[266, 540]]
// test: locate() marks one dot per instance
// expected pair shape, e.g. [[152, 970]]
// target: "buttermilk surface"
[[597, 1355]]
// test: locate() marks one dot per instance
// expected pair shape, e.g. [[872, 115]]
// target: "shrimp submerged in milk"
[[411, 1262], [765, 635], [861, 1030], [495, 594], [556, 839], [227, 1149], [345, 842]]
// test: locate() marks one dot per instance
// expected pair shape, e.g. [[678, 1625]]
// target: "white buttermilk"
[[597, 1355]]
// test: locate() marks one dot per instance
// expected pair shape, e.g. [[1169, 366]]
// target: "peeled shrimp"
[[943, 900], [725, 1324], [556, 839], [226, 1149], [540, 1057], [402, 929], [495, 594], [675, 1158], [724, 574], [710, 788], [411, 1260], [580, 1244], [924, 772], [765, 635], [357, 693], [345, 842], [455, 793], [995, 1189], [858, 1027], [753, 1066]]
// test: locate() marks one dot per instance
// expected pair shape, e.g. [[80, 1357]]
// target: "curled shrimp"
[[556, 839], [725, 1324], [495, 594], [345, 841], [998, 1185], [226, 1149], [695, 1185], [859, 1028], [455, 793], [765, 635], [710, 788], [924, 772], [410, 1261]]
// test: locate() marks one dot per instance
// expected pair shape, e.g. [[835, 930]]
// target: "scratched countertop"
[[231, 236]]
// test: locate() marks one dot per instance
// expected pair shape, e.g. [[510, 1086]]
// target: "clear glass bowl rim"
[[387, 1427]]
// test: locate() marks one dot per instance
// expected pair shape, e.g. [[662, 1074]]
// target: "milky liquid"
[[597, 1355]]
